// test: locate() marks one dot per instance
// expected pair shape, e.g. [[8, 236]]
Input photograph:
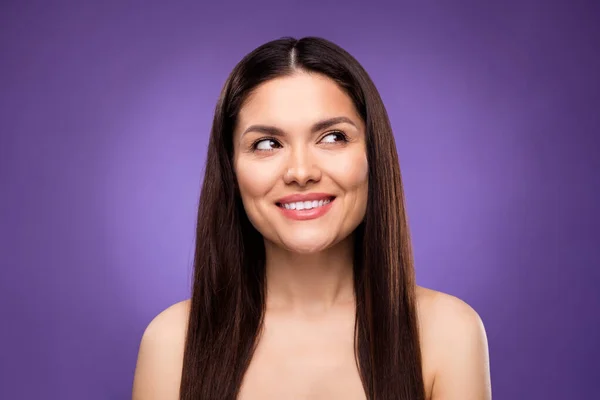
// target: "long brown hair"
[[228, 294]]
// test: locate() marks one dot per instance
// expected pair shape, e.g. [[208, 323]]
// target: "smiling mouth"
[[305, 205]]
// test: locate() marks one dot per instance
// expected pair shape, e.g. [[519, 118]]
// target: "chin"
[[310, 246], [306, 249]]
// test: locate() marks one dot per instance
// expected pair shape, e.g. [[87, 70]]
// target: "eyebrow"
[[318, 126]]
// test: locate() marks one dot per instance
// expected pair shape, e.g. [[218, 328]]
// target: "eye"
[[266, 145], [334, 137]]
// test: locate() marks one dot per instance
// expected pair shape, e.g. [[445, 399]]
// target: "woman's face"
[[301, 164]]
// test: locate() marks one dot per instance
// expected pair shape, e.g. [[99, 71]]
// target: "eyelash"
[[255, 144]]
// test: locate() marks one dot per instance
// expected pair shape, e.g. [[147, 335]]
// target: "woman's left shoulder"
[[454, 346], [446, 311]]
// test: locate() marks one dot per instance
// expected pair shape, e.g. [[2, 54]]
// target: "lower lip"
[[302, 215]]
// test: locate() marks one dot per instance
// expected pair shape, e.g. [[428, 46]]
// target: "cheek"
[[352, 172], [254, 181]]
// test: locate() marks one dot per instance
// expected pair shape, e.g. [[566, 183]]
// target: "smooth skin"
[[306, 349]]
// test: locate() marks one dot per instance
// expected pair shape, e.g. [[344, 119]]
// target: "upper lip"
[[305, 197]]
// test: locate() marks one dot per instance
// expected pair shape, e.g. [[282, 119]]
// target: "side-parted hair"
[[228, 293]]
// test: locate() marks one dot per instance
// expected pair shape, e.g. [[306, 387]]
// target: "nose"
[[301, 168]]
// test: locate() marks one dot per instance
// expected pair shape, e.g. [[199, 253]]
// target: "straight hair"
[[228, 288]]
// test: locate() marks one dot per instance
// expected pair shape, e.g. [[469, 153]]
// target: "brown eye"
[[334, 137], [266, 145]]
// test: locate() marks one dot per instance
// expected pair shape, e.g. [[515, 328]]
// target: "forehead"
[[296, 101]]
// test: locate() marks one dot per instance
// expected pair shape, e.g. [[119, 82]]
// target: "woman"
[[303, 274]]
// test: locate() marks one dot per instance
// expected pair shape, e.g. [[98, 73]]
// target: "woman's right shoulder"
[[160, 355], [171, 320]]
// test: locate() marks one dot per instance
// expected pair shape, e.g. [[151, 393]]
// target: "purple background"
[[105, 112]]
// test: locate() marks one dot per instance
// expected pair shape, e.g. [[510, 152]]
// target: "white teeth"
[[305, 205]]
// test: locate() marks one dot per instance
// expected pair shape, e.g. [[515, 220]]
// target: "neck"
[[311, 283]]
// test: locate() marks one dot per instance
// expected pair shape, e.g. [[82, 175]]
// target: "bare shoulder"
[[447, 320], [446, 311], [455, 347], [160, 356]]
